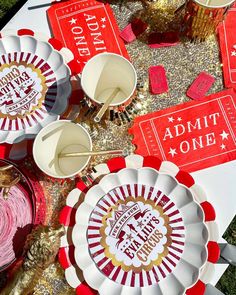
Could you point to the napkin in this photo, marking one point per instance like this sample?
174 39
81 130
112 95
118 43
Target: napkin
227 40
87 28
193 135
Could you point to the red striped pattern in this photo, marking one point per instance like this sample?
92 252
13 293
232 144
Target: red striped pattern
84 289
107 269
114 277
56 44
199 287
67 216
3 58
33 118
99 252
173 213
153 162
213 252
149 281
93 227
163 201
169 206
155 274
157 196
116 164
93 236
98 213
132 279
185 178
66 256
209 211
111 198
124 278
39 64
176 249
95 220
175 220
81 186
27 57
23 32
161 271
174 255
141 279
102 261
170 261
114 196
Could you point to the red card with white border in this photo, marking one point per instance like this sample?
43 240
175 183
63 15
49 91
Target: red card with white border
194 135
86 27
227 40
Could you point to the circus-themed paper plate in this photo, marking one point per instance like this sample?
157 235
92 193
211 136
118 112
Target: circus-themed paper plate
145 229
34 83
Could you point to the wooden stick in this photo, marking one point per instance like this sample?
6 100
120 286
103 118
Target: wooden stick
91 153
105 106
47 135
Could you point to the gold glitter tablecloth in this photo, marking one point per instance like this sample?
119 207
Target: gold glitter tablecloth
182 63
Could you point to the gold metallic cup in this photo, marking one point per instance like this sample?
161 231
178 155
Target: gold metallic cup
203 16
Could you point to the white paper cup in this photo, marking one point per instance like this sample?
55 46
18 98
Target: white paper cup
106 72
61 136
214 3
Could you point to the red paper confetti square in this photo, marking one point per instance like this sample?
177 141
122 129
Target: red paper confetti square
86 27
138 26
200 86
127 34
194 135
158 80
157 40
133 30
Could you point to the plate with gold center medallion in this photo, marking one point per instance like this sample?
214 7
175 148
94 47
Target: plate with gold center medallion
34 84
140 231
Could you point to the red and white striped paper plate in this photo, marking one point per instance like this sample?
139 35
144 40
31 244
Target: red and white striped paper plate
34 83
175 213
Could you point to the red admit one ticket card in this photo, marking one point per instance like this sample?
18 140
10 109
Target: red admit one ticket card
194 135
86 27
227 40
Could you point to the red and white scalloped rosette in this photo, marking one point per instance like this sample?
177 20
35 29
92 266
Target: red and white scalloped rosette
145 228
34 83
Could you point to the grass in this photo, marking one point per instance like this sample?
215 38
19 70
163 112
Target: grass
5 5
227 283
